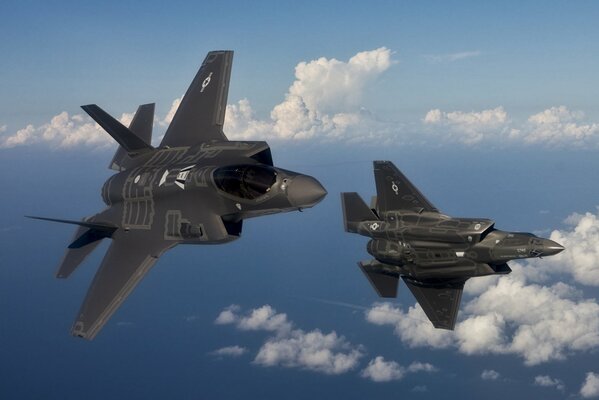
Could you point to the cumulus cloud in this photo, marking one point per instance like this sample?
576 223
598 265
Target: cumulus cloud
327 353
63 131
558 125
229 351
555 126
228 315
469 127
264 318
551 326
413 327
490 375
590 387
323 102
451 57
581 258
379 370
314 350
547 381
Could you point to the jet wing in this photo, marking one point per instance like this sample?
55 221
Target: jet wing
383 281
396 192
129 258
201 114
439 300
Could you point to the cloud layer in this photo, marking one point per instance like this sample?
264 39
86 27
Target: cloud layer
324 102
552 127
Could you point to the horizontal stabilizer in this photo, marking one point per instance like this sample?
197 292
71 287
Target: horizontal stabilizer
141 125
132 143
86 239
384 282
355 211
396 192
74 256
87 224
91 235
440 300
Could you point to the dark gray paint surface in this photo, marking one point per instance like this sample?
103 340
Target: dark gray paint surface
434 254
196 188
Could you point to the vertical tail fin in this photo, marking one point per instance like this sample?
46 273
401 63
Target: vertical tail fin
201 114
396 192
355 211
141 125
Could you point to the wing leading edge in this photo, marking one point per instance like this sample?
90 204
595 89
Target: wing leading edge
201 114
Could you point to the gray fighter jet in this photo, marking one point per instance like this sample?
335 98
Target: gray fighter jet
197 187
434 254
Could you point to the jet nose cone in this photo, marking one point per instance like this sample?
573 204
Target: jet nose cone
305 191
551 248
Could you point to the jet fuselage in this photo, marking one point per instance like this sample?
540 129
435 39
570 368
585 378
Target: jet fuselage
230 179
431 245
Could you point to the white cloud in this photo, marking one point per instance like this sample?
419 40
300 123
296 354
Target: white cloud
322 102
230 351
490 375
417 366
547 381
451 57
581 257
590 387
63 131
558 125
328 353
552 326
330 85
228 315
264 318
555 126
412 327
469 127
379 370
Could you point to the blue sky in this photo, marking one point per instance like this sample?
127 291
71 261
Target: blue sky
489 108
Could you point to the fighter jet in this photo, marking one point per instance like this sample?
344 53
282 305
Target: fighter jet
197 187
433 253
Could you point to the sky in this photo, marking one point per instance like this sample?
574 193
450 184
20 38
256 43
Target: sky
489 108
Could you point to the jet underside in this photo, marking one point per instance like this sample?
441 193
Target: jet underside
433 253
196 187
